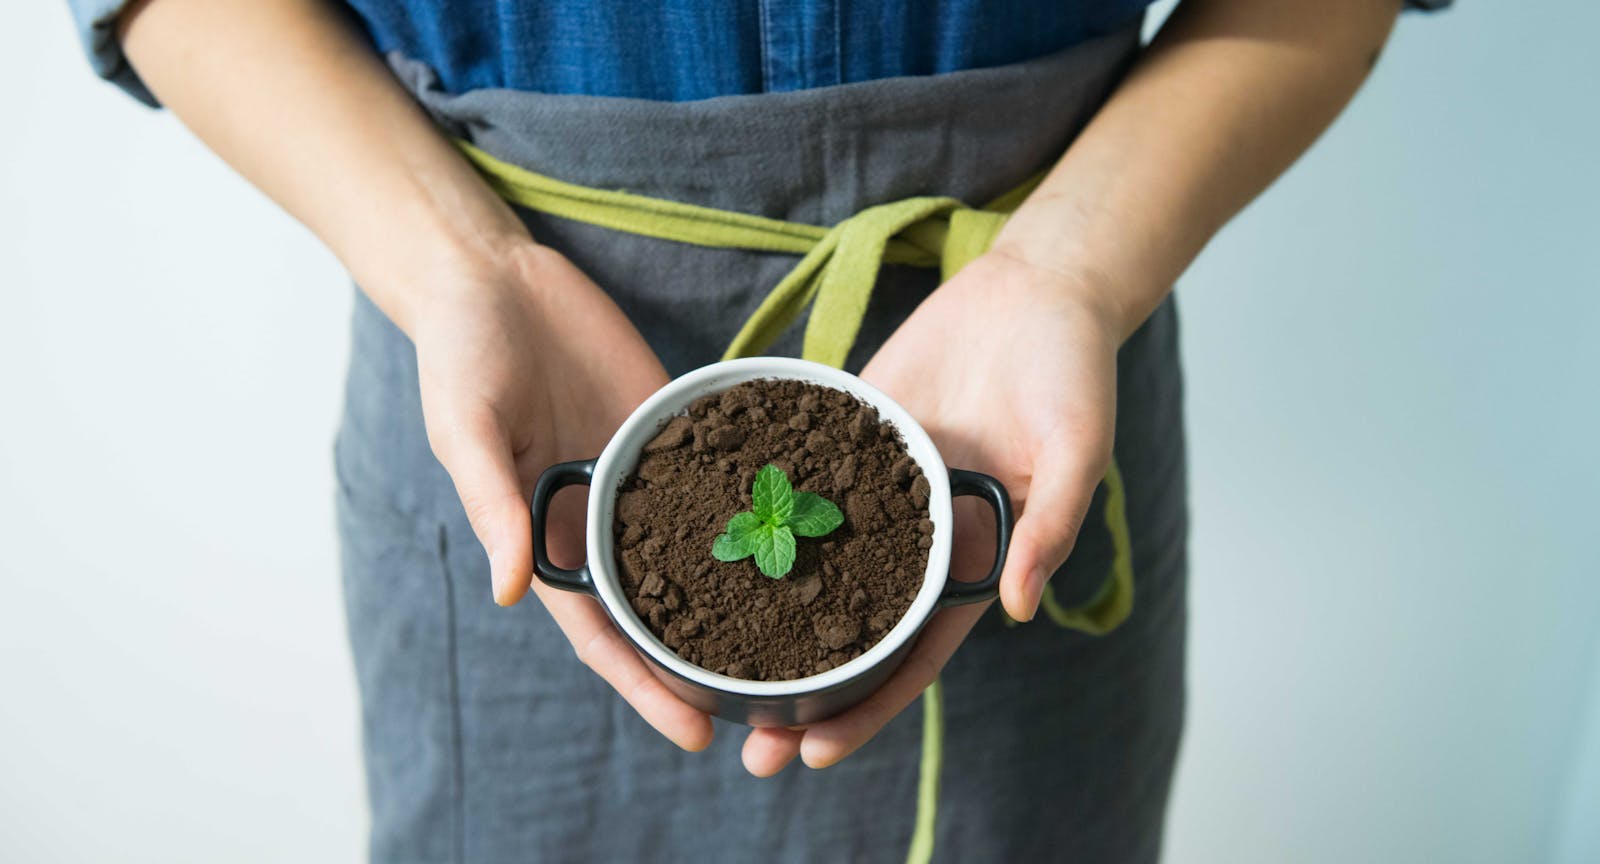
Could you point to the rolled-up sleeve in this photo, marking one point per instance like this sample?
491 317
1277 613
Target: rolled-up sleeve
97 28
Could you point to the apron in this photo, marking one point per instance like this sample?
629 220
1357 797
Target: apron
486 740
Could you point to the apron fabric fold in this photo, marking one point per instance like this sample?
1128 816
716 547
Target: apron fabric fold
487 741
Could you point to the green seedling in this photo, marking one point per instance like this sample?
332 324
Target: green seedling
768 529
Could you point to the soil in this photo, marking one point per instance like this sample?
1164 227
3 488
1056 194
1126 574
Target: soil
846 589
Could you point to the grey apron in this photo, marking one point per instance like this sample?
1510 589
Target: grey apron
487 741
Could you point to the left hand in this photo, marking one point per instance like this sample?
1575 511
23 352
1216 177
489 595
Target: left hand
1012 369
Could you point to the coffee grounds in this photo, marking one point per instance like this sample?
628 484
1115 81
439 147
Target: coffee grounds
846 589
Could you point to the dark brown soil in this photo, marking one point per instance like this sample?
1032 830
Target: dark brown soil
846 589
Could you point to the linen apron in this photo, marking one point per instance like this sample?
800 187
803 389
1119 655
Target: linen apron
486 740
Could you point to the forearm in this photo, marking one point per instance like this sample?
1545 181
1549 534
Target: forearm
1229 94
299 104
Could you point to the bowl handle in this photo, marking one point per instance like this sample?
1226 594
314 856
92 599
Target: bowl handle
993 492
554 479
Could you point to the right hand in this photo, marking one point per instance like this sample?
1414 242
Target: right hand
522 366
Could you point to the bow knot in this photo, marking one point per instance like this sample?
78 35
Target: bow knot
836 277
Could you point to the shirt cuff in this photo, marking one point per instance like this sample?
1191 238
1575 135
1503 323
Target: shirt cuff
97 30
1428 5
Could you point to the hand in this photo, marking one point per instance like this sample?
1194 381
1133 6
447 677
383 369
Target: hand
1012 371
520 367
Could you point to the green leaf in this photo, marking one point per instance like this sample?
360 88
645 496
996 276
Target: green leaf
775 551
768 529
814 515
772 496
738 540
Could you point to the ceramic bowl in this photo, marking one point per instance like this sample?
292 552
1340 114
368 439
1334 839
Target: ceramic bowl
764 703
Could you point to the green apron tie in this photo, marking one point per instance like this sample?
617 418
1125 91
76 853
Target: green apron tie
839 267
838 274
835 277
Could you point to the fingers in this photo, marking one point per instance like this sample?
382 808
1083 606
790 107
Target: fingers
826 743
479 459
478 456
604 650
767 751
1065 474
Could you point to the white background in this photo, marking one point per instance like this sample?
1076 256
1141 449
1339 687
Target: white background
1392 363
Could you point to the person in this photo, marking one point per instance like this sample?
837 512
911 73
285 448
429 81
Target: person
492 340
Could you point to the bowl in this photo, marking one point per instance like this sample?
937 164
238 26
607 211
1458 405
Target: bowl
765 703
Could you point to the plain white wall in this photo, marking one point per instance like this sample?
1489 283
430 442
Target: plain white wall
1393 403
177 684
1393 361
1579 839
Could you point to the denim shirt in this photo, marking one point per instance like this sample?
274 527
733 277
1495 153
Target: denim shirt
690 49
694 49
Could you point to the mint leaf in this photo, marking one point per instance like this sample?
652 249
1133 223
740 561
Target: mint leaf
774 551
814 515
772 496
738 540
767 531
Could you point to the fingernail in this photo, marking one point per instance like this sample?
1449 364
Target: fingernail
1033 589
499 580
815 758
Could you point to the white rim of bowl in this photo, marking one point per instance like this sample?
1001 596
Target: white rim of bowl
621 455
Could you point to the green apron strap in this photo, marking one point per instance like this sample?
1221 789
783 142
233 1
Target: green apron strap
847 281
784 303
1112 604
663 219
836 278
972 232
639 214
928 772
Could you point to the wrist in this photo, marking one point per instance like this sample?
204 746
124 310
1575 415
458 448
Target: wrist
1090 289
443 265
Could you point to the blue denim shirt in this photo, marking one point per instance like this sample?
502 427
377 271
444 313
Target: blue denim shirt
690 49
695 49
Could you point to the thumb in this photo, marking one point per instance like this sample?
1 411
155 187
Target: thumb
1065 475
477 454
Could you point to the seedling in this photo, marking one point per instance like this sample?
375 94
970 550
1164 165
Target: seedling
768 529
